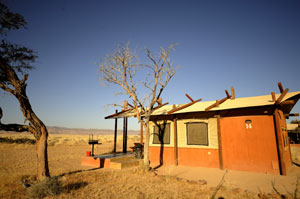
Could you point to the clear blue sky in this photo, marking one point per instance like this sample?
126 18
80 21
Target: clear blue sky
250 45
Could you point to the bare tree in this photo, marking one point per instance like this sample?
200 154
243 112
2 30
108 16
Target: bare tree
15 60
121 68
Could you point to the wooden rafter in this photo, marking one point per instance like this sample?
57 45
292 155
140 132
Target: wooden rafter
217 103
183 106
281 96
291 115
273 96
157 107
280 87
288 102
227 94
189 97
116 114
129 105
232 93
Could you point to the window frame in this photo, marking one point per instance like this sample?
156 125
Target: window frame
187 137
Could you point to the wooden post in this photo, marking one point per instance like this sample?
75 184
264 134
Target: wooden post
220 143
175 143
141 133
125 135
279 143
232 93
115 135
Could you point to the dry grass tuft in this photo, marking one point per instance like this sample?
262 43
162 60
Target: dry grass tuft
47 187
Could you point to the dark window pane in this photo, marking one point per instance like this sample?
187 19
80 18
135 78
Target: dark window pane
197 133
161 134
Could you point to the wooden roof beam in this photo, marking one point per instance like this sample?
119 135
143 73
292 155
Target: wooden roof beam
273 96
189 97
282 96
117 113
288 102
157 107
217 103
183 106
291 114
232 93
161 105
280 87
227 94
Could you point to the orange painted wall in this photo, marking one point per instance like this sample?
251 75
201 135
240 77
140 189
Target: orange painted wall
167 155
186 156
198 157
249 149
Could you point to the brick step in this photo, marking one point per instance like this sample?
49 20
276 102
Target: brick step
121 164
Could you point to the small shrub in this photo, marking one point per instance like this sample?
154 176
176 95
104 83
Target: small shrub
47 187
10 140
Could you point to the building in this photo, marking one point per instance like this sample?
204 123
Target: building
244 134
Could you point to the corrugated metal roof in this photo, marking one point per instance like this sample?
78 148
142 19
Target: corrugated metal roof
244 102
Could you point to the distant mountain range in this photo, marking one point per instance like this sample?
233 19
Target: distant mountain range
79 131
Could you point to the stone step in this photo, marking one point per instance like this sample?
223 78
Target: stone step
121 164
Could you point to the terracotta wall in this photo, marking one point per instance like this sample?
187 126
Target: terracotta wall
186 156
249 147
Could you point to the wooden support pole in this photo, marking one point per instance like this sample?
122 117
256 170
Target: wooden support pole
232 93
220 143
183 106
282 96
115 135
175 143
273 96
125 135
215 104
227 94
141 132
280 87
279 143
189 97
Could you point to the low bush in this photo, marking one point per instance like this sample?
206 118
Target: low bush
47 187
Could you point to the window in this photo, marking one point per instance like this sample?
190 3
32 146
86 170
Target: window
161 134
197 133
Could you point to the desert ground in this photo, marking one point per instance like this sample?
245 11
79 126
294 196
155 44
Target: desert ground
18 166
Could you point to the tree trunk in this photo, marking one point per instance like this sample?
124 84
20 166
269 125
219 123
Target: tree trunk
42 155
146 146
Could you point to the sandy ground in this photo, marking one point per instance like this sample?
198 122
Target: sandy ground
254 182
17 161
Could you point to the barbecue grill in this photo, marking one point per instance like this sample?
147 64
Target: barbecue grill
92 142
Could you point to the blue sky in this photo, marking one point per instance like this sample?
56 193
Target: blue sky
250 45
